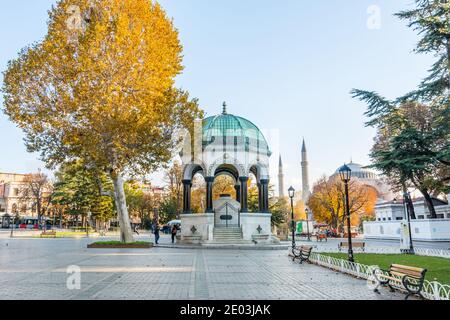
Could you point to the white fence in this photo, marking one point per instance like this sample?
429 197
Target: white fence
389 250
432 290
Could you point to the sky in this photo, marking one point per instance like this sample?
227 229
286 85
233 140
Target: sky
286 65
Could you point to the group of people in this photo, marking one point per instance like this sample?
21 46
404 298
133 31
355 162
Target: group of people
173 232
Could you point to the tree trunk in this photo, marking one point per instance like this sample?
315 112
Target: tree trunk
429 203
126 235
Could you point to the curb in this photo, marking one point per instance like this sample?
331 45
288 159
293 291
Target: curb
222 247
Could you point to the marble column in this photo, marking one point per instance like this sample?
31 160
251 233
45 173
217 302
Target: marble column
260 197
209 194
244 194
265 195
238 192
187 185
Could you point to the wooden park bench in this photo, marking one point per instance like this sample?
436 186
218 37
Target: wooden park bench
302 253
409 279
355 245
321 236
48 234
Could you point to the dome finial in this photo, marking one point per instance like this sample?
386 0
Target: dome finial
224 108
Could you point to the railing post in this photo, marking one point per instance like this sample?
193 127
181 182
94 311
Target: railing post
436 290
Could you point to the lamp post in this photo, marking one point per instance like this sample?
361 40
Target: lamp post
12 226
291 191
406 200
346 173
307 223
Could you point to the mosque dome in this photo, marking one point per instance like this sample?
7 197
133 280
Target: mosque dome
360 172
231 129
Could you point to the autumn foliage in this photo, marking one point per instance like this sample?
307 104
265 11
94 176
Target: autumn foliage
100 87
328 202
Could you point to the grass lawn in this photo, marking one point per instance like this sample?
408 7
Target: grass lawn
438 268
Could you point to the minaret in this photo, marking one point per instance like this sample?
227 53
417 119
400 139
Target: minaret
280 180
305 176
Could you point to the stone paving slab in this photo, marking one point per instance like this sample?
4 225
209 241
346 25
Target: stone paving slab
37 269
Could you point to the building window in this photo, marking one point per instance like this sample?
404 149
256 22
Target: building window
15 192
420 217
14 208
23 209
384 219
440 216
399 218
389 219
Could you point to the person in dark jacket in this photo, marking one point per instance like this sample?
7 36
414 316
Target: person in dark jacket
174 232
156 232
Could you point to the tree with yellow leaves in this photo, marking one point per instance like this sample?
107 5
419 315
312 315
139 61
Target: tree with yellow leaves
327 201
100 87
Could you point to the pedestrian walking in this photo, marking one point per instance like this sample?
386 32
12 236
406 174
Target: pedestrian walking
136 227
156 232
174 232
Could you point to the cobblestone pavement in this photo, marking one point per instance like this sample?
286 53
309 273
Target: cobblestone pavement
37 269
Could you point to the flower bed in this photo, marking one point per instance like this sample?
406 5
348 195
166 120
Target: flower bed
120 245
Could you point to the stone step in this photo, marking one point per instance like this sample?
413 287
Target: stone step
222 243
228 236
228 233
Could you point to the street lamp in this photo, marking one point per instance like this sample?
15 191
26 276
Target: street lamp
406 200
346 173
291 191
307 223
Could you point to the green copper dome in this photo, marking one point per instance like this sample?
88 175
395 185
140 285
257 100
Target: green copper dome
229 126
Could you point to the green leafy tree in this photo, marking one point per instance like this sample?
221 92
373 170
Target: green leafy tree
77 191
412 144
168 210
174 180
140 203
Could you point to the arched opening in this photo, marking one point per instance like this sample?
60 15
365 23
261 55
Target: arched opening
198 193
260 186
190 171
226 181
224 184
253 193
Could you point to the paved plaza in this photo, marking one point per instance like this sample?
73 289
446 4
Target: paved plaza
37 269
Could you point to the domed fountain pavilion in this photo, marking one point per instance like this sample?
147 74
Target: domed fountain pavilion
233 146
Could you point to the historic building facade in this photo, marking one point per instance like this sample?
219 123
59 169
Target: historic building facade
390 215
